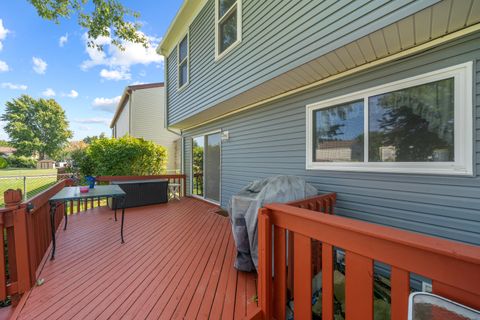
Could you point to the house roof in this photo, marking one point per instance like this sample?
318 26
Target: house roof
180 24
335 144
126 94
7 149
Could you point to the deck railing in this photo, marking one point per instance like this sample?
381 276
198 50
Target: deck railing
26 238
453 267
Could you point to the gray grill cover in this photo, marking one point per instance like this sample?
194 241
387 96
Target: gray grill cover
243 211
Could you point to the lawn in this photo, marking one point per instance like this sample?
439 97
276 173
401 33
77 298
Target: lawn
35 181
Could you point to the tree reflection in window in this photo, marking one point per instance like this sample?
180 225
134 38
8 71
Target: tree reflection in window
339 133
413 125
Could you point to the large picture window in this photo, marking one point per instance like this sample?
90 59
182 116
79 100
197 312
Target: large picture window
183 62
417 125
228 25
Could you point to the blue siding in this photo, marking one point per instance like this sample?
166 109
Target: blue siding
277 36
270 140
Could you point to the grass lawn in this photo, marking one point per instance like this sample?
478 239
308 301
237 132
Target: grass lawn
13 179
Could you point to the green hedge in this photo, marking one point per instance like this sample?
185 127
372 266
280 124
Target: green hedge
118 157
3 163
21 162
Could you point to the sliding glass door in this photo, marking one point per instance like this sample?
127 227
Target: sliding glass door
206 166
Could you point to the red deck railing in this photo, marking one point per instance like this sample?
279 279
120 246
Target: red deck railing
453 267
26 239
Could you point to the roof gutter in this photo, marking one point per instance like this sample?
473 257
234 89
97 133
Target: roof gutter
121 105
184 17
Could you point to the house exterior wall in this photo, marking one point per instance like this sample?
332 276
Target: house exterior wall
122 126
271 140
277 36
148 114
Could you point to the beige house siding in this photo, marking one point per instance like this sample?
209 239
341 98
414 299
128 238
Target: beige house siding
122 124
147 121
143 117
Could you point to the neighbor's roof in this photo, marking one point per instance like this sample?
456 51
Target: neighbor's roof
126 93
179 26
7 149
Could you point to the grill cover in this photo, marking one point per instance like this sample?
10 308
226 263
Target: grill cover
243 211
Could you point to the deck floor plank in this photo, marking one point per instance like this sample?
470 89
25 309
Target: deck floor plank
177 262
102 272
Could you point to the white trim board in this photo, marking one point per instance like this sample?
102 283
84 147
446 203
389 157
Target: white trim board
463 127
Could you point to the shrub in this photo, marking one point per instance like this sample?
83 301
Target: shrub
21 162
3 163
82 161
122 157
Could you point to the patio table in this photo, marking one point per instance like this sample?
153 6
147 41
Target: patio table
73 193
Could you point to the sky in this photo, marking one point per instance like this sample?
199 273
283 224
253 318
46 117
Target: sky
46 60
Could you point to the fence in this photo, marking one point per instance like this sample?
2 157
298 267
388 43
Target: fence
454 268
30 185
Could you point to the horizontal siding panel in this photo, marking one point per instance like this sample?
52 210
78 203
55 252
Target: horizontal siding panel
270 140
290 32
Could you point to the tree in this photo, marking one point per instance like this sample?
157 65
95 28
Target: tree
107 19
36 126
90 139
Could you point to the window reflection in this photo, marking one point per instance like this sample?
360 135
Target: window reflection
413 124
339 133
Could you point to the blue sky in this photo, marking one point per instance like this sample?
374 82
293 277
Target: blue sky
42 59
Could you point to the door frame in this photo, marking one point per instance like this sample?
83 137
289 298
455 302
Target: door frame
203 179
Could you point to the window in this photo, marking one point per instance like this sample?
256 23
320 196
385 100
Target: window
417 125
183 62
228 25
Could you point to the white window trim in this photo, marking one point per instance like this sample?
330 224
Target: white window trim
219 55
181 87
191 168
463 127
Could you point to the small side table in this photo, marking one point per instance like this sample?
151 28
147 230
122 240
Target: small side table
174 191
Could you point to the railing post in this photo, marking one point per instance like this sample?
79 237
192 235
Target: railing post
25 193
13 199
265 263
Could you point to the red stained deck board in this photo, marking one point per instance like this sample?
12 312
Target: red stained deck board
177 263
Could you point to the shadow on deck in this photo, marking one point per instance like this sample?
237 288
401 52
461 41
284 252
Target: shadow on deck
177 263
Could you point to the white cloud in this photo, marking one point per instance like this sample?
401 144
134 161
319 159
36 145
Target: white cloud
63 40
83 127
3 66
12 86
106 104
49 92
120 74
120 60
3 33
73 94
39 65
95 120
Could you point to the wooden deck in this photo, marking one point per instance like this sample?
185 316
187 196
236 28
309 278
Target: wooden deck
177 263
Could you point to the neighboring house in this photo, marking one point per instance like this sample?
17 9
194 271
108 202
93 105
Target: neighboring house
7 151
141 113
254 86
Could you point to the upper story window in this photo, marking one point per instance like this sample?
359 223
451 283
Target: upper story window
228 25
183 62
417 125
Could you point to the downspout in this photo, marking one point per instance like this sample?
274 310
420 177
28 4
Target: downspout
129 94
165 118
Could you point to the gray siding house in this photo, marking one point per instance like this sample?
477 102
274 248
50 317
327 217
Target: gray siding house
378 101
